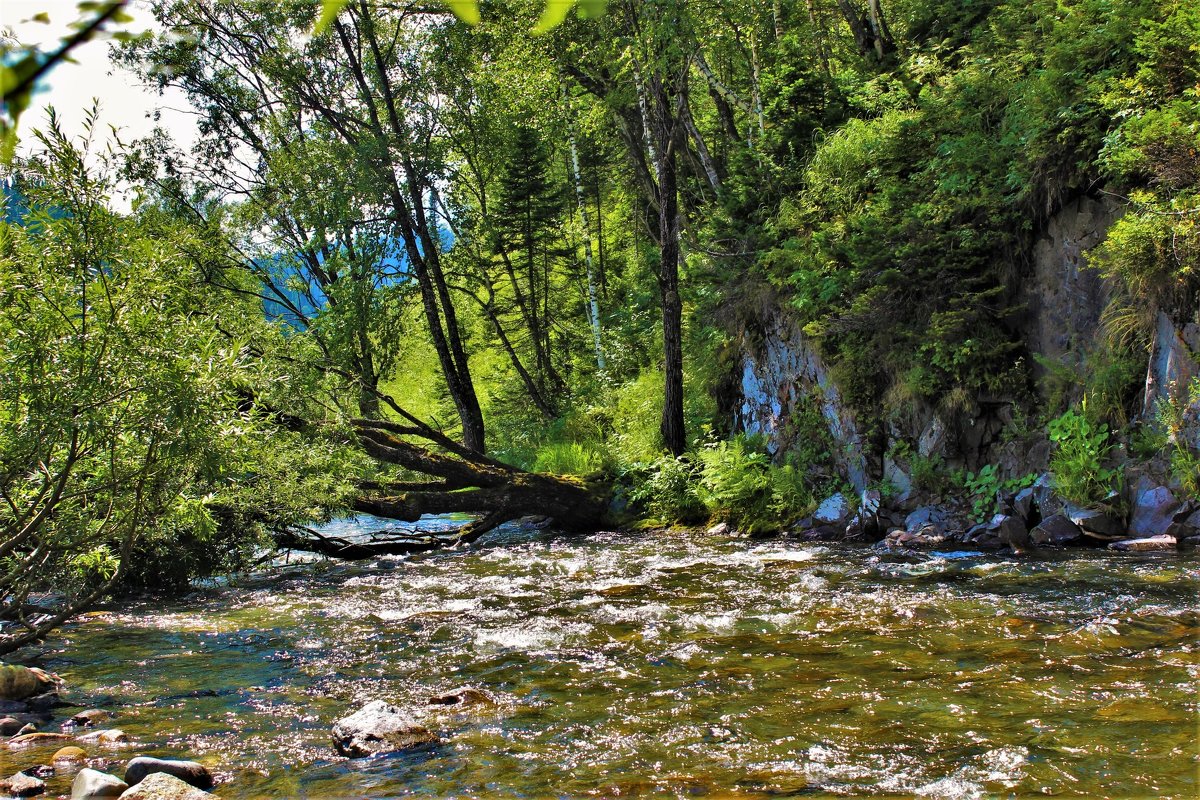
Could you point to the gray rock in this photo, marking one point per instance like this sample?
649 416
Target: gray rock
25 729
927 516
91 784
161 786
9 726
1010 530
835 511
872 499
720 529
1144 545
45 702
1044 497
466 697
1097 524
379 728
1023 505
22 785
12 706
1055 530
1188 542
191 772
1153 512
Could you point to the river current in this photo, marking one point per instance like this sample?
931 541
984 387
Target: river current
670 665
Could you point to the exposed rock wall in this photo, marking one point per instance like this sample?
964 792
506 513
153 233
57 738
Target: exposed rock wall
781 372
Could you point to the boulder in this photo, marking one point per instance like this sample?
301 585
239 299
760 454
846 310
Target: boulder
10 725
69 753
104 736
934 517
161 786
91 784
13 706
834 511
35 739
1023 507
1010 530
46 701
1144 545
720 529
18 682
379 728
191 772
22 785
1153 512
926 537
1056 529
1097 524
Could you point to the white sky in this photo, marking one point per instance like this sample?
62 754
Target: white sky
124 102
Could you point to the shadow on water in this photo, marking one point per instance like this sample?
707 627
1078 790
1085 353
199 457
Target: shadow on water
671 665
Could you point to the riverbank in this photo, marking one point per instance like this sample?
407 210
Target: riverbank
675 663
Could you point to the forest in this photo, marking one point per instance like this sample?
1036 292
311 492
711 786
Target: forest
912 272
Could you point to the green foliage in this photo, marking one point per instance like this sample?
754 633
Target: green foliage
666 490
984 488
569 458
1077 462
739 483
1179 422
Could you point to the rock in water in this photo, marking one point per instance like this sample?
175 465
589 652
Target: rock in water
161 786
71 753
22 785
35 739
379 728
464 697
17 682
91 784
88 718
105 736
190 772
1146 545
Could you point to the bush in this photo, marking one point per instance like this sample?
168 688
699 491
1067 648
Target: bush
741 485
1077 461
666 489
569 458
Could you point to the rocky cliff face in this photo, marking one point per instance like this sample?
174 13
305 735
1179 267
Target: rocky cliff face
1063 301
779 373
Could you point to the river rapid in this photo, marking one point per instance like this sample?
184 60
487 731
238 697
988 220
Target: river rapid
672 664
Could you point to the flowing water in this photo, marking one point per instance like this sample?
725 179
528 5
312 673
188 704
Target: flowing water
671 665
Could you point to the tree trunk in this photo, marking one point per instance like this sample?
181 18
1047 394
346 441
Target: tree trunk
460 480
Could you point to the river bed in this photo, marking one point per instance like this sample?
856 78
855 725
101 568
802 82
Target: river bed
670 665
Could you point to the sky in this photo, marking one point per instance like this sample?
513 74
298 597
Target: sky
70 88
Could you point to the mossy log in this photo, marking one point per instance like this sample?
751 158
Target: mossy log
460 481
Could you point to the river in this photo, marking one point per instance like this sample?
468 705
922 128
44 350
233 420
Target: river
671 665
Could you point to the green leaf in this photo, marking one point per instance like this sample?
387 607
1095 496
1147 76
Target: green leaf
41 17
329 11
553 15
466 10
591 9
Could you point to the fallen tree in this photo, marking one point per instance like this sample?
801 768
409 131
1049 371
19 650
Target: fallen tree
453 479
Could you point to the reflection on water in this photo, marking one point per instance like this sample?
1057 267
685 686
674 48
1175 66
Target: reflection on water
673 665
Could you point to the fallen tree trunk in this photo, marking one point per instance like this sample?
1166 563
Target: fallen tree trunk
460 481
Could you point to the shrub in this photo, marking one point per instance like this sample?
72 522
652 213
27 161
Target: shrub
1077 461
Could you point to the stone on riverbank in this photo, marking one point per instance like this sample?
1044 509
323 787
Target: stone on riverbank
92 784
70 753
161 786
191 772
1144 545
1056 529
22 785
379 728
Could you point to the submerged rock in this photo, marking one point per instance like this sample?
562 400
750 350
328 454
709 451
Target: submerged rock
88 718
35 739
379 728
465 697
92 784
105 736
1144 545
70 753
162 786
191 772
